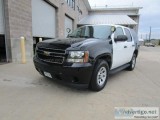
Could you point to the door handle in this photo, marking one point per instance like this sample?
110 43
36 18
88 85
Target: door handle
133 45
125 46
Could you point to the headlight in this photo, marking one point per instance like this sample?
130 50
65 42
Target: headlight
78 56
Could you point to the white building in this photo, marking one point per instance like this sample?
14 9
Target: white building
128 16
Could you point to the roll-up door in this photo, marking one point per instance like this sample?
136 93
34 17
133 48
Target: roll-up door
68 24
43 19
1 18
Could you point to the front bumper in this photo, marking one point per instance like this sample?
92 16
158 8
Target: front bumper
78 75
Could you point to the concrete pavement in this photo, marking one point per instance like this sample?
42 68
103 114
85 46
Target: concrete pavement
26 95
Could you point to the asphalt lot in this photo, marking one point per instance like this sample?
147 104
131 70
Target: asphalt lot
26 95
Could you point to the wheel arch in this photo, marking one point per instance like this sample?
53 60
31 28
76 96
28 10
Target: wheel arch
136 52
107 57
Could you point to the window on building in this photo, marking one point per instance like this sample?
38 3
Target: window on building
128 35
71 3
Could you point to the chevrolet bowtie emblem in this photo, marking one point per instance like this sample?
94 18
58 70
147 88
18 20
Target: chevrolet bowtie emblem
46 53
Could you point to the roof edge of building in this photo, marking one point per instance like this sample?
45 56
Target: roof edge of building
115 8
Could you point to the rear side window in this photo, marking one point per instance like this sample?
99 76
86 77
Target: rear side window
118 31
128 34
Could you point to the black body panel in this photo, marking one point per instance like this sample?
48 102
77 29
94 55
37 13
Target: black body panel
72 73
96 47
51 56
76 74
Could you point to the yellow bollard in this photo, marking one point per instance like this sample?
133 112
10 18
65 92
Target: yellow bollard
23 51
40 40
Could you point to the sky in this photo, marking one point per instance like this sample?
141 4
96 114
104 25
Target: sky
149 14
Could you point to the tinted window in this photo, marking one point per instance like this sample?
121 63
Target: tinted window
128 35
101 31
118 31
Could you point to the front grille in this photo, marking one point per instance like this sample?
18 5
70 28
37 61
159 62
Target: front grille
50 55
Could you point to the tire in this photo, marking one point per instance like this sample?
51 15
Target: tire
99 76
132 63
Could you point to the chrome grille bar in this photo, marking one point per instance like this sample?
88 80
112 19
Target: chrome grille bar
55 56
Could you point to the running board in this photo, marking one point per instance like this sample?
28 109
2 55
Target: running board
119 69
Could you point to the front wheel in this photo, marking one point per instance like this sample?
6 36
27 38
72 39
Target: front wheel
100 76
132 63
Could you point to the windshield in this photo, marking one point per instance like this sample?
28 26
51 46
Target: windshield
99 32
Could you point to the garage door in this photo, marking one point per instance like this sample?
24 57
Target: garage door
43 19
68 24
1 18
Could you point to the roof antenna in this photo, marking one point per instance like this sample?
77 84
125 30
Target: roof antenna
132 4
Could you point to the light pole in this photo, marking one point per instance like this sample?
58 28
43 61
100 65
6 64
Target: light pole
146 36
150 33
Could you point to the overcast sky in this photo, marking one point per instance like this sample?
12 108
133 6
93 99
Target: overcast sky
150 14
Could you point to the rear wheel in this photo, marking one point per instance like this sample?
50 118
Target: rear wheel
100 76
132 63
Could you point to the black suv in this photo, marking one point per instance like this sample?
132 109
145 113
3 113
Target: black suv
88 55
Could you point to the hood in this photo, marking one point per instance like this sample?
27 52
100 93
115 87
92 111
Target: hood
65 43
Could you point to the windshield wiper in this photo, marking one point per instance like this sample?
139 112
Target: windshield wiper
72 36
84 36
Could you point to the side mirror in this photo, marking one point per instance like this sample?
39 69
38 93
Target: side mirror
121 38
113 29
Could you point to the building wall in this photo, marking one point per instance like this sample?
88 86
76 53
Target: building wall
136 19
18 22
132 13
18 19
64 9
82 8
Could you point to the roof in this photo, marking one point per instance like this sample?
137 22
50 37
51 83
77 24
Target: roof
107 19
114 8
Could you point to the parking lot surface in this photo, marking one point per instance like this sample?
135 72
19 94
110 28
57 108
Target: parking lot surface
26 95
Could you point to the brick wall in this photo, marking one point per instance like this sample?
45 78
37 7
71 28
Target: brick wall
18 20
83 8
64 9
18 23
